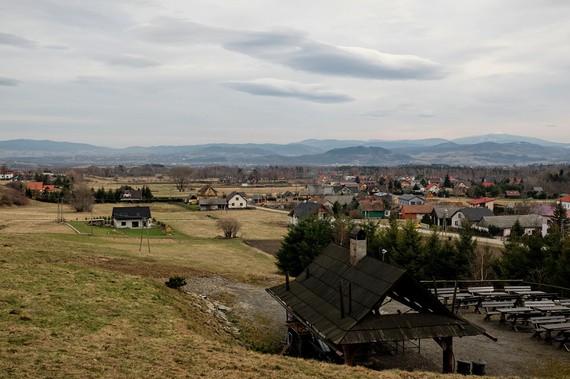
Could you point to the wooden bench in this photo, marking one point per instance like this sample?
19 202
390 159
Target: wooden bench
517 288
490 307
475 290
537 322
539 303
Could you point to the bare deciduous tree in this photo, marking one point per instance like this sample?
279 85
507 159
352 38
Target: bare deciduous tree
82 198
229 226
181 177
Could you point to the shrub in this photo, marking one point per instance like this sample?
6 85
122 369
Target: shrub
175 282
229 226
10 196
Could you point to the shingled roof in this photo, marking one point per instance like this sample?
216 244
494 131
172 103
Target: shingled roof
314 299
131 213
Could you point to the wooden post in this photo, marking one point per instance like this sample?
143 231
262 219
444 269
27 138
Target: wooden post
348 352
447 346
287 280
454 298
341 300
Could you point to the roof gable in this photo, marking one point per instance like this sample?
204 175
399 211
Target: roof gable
314 297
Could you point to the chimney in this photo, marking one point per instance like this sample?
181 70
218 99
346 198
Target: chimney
357 245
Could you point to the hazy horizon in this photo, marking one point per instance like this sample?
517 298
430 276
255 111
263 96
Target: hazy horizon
142 73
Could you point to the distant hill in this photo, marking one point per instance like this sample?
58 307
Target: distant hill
494 149
506 138
355 155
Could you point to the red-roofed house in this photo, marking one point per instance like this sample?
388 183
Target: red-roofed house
40 187
487 184
565 201
415 212
484 202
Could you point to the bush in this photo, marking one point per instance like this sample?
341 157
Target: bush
229 226
10 196
175 282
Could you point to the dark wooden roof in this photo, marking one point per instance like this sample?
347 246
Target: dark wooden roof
131 213
314 299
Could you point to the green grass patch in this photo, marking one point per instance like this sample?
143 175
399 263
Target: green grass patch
107 231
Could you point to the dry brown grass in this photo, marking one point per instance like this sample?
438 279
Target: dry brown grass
74 308
167 188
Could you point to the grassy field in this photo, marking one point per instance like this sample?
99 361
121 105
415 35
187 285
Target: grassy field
75 309
91 306
166 187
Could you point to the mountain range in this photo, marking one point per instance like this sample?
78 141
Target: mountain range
484 150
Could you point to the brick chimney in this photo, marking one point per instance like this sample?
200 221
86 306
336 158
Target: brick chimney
357 245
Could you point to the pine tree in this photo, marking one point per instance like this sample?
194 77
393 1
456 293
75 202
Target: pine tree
302 244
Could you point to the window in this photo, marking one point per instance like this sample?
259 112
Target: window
135 224
241 204
233 204
123 223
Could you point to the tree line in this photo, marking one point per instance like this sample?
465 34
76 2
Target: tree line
528 257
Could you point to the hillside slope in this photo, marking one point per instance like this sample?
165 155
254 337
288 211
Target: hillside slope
74 309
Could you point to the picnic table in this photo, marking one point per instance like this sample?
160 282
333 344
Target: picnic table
516 313
550 328
560 309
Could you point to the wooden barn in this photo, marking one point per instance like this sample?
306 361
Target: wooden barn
337 305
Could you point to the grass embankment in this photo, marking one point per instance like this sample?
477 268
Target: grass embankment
73 307
156 231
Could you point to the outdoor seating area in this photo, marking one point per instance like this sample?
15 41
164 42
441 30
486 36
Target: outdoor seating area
521 307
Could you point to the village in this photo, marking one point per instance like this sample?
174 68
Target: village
223 243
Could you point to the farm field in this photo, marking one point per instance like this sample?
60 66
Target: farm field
167 188
80 305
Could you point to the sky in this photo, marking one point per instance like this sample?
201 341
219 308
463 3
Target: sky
178 72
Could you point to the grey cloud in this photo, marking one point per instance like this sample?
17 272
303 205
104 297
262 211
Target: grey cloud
295 50
8 82
132 61
285 88
16 41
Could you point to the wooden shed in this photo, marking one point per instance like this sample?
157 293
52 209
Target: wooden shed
338 300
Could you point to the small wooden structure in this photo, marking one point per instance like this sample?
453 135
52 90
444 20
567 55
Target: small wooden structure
338 302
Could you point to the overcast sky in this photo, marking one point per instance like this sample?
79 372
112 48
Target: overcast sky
148 72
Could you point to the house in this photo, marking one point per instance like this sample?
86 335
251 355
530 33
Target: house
131 195
485 202
532 224
337 306
512 194
544 210
308 209
40 187
212 203
236 200
342 200
319 190
470 215
565 201
131 217
409 199
6 175
257 198
441 214
433 188
372 208
415 212
487 184
207 191
537 189
192 198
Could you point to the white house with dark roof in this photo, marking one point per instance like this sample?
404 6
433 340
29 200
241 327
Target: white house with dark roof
410 199
236 200
308 209
131 217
